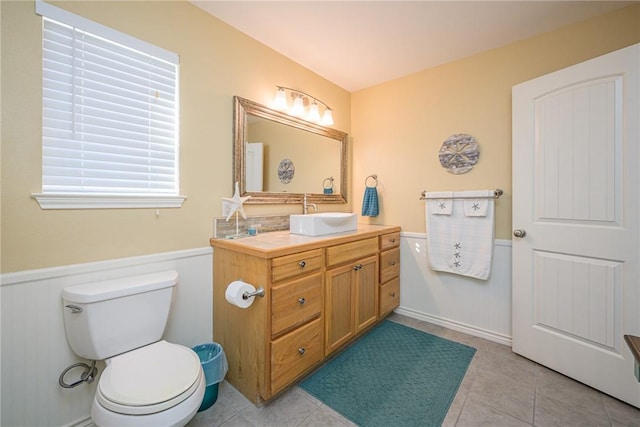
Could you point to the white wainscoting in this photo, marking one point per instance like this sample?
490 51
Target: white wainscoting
477 307
34 347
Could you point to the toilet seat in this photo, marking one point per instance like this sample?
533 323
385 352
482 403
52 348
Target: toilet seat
149 379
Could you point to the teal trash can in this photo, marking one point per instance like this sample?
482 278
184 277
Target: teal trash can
214 365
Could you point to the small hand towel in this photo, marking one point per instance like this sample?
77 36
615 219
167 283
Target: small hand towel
440 206
370 202
461 244
477 207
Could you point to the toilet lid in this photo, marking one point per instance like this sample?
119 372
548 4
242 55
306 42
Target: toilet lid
150 375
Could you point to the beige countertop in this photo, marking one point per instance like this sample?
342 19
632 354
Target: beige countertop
278 243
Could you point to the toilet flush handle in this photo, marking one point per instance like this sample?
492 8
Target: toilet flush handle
74 308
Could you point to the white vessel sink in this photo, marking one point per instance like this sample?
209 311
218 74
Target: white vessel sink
319 224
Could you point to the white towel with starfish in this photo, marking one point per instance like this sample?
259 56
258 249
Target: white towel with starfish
440 202
479 206
458 243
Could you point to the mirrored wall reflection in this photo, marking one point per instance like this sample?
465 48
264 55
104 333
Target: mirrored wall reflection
279 158
282 158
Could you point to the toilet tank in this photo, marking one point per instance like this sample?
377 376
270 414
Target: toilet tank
107 318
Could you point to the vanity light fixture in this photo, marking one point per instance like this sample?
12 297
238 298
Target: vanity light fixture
298 107
301 101
314 113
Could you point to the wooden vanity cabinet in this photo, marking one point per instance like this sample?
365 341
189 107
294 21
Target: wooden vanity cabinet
296 309
351 291
280 336
319 295
389 293
245 334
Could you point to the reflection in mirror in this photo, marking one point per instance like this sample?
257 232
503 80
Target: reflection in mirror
279 158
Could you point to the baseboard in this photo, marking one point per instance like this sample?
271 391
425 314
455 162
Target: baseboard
84 422
456 326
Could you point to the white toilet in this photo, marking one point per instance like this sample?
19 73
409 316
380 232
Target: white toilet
147 381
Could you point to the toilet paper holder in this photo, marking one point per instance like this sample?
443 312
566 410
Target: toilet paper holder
257 293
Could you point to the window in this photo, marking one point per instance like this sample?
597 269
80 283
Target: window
109 117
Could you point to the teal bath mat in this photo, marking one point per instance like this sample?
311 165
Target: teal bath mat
393 376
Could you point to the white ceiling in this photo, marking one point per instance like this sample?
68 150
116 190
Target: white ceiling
358 44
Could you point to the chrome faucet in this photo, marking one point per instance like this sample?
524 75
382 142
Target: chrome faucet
305 205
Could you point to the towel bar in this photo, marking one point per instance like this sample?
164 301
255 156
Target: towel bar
496 194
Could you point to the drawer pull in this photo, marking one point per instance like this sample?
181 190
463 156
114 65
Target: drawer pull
392 263
301 301
301 350
393 294
392 240
357 267
302 264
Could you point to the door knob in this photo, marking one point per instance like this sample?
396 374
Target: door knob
519 233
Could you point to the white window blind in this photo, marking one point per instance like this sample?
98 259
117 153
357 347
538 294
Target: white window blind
109 116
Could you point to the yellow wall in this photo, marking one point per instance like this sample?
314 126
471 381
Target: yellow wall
314 157
216 63
399 126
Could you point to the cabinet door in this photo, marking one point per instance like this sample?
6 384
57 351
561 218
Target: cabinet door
366 286
340 307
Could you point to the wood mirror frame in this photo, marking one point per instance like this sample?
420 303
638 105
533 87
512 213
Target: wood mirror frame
244 107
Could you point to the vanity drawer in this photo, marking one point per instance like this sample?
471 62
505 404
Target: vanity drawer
294 353
389 264
296 302
293 265
389 296
389 240
340 254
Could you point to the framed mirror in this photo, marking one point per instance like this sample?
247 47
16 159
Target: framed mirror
279 158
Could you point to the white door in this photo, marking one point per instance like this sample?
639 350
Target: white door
576 276
254 161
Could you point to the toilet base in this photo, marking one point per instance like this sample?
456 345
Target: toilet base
178 416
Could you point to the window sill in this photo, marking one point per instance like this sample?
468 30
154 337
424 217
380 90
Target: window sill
99 201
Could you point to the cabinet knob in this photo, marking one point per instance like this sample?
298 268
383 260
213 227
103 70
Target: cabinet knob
392 240
302 264
392 263
301 350
301 301
393 294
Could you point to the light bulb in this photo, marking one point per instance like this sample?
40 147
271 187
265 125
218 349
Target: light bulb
280 101
327 118
298 107
314 114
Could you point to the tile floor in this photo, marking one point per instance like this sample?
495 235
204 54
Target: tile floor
499 389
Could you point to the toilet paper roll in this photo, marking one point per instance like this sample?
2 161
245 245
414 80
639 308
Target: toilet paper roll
234 293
